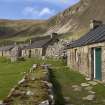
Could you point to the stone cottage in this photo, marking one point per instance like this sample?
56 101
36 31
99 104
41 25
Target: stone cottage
12 50
15 53
6 50
87 54
38 48
56 50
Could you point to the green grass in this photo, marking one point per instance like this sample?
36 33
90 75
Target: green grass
37 87
63 78
11 73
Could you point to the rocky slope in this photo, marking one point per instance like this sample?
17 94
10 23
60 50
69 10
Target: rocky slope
78 16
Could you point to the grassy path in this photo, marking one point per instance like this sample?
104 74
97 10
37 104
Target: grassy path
64 79
11 73
30 92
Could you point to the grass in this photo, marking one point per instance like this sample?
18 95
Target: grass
37 87
63 78
11 73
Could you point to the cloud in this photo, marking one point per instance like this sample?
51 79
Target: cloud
46 11
33 9
38 12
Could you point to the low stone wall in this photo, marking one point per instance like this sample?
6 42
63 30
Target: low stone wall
34 89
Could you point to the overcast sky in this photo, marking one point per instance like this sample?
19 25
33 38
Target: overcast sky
32 9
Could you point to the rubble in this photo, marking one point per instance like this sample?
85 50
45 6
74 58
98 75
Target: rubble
26 90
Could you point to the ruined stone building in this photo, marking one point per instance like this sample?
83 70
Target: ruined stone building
46 46
11 50
16 53
56 50
6 50
41 47
87 54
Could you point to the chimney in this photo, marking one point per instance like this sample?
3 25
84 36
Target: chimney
15 43
53 35
95 23
30 42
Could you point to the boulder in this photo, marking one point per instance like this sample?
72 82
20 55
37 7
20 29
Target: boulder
89 97
1 102
21 81
93 83
29 93
67 99
84 84
77 88
88 88
46 102
92 92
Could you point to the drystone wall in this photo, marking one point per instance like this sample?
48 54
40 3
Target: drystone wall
34 89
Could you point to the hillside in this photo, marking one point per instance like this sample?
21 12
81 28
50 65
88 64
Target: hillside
73 20
77 18
11 28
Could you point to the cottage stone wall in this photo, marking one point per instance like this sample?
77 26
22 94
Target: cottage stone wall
103 64
1 53
25 52
55 50
6 53
36 52
80 59
15 53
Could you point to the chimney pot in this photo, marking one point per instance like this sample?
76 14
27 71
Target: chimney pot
95 23
53 35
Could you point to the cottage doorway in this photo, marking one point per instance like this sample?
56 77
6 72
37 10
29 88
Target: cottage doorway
92 63
96 63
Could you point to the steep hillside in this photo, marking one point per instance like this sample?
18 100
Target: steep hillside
76 19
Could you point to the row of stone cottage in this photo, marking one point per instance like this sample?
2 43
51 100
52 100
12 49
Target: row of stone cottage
49 46
87 54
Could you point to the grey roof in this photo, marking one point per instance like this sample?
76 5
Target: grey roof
39 43
9 47
94 36
6 48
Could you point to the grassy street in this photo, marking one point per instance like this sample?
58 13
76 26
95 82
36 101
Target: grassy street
64 79
31 91
11 73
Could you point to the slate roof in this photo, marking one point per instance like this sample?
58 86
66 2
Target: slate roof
40 43
6 48
94 36
9 47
